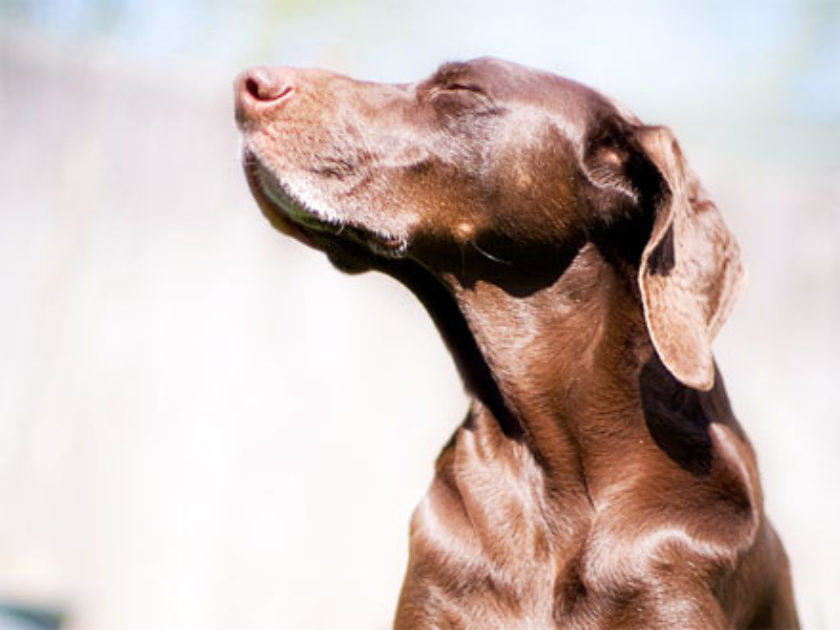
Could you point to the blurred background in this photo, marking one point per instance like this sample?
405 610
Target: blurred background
204 425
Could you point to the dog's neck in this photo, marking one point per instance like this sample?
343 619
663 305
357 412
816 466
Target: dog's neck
566 358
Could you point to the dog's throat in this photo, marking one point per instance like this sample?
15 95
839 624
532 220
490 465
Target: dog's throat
471 363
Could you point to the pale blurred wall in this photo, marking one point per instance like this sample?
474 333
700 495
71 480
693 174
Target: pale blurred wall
203 425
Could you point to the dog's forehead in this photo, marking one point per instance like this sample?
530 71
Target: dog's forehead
502 74
508 81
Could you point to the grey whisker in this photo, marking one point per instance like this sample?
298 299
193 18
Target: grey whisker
489 255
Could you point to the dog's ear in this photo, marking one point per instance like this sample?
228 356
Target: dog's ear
690 270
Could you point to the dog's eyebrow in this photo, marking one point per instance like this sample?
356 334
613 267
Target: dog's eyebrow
450 71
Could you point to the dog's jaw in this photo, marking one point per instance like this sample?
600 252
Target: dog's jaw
297 209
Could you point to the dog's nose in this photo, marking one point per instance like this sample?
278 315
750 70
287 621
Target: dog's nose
260 88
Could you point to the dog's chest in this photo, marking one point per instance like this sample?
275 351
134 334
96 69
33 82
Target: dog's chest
489 541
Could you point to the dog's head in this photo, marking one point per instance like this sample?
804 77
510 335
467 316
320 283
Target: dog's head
487 170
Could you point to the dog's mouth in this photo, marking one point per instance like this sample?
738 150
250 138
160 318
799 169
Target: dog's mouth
350 246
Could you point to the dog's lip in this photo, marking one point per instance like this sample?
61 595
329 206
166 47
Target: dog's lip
277 198
292 216
278 219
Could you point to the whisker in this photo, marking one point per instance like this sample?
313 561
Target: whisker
489 255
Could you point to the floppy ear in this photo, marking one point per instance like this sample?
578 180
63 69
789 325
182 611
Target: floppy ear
690 270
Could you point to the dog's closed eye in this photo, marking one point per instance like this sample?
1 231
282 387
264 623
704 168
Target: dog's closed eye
460 98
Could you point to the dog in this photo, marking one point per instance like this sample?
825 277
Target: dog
578 273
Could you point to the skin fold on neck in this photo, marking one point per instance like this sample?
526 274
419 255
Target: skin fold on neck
566 360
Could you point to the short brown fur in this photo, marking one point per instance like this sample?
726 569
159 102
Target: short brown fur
578 273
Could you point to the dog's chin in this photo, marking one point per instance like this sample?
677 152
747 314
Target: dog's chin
350 249
350 262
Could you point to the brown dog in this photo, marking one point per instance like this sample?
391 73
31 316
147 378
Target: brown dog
578 273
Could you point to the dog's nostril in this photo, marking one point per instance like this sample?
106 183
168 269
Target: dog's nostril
253 88
263 85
